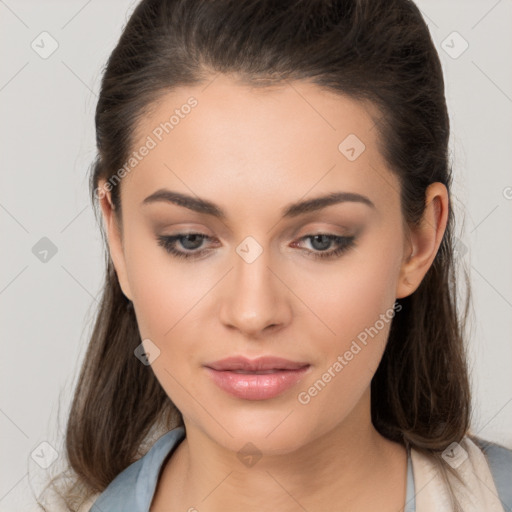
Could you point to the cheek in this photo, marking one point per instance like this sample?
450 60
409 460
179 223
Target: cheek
165 290
356 302
350 297
348 360
165 298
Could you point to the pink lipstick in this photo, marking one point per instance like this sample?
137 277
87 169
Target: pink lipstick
256 379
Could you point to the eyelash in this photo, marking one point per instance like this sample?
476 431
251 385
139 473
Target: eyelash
344 244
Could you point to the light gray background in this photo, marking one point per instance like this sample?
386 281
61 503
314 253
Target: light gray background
47 112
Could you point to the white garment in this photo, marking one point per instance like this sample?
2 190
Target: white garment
477 493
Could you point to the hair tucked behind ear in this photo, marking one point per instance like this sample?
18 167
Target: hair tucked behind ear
375 51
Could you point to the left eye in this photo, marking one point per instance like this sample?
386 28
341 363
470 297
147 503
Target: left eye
343 243
193 241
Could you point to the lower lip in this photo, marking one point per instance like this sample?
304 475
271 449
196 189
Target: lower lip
251 386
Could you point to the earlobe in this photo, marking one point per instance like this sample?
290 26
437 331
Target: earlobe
424 240
115 242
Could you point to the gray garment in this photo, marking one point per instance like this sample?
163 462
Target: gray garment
133 489
500 462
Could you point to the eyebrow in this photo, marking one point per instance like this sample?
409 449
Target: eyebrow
293 210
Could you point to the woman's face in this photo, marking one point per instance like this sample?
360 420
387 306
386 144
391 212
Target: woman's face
257 281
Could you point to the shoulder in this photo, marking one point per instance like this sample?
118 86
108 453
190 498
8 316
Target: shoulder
480 477
134 487
499 459
494 452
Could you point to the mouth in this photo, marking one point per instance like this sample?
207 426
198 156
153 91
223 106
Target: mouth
257 384
260 372
265 364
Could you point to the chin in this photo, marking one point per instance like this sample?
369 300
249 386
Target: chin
273 433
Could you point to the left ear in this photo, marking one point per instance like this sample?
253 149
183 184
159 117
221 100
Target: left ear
424 240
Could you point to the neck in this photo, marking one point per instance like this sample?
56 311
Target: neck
343 463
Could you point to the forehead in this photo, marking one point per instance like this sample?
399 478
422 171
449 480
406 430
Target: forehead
224 138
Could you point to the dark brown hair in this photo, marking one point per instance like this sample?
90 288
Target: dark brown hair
374 51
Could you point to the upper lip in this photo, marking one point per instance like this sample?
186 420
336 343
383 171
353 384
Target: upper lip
253 365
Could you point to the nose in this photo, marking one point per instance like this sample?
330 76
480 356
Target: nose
255 301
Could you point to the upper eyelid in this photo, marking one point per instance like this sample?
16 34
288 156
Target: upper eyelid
290 232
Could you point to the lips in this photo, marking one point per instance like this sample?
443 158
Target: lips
256 379
261 365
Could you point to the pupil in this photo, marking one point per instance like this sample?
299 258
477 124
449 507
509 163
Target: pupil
325 239
195 245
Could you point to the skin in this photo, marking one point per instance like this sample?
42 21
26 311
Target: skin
253 152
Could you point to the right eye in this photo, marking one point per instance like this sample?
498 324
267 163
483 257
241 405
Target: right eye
190 241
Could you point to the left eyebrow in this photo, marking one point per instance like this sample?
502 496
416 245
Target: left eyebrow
292 210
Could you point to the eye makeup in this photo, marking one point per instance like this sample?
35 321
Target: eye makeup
192 245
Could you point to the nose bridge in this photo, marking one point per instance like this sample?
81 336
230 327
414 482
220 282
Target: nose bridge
255 297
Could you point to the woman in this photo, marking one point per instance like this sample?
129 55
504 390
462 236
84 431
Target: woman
279 326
